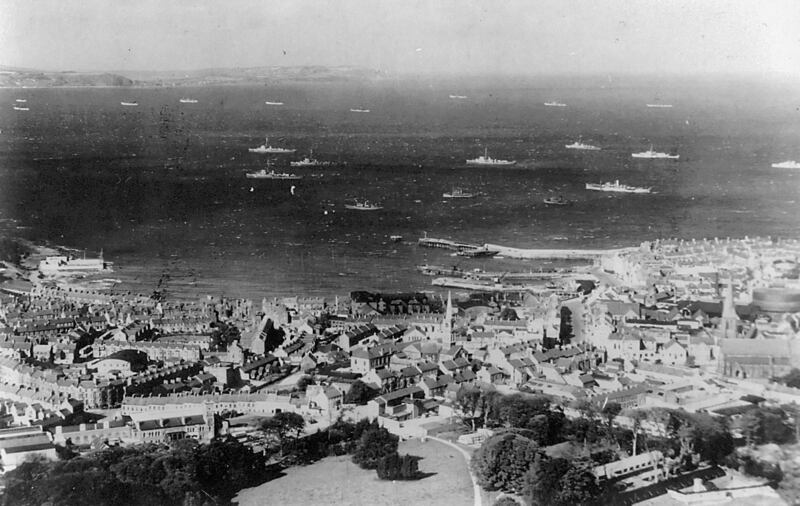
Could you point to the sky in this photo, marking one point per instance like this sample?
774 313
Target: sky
406 36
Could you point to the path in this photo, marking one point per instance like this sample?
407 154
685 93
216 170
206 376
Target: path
476 489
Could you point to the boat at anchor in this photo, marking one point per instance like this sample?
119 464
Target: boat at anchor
485 159
266 148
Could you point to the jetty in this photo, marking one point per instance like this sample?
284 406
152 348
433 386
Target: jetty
431 242
568 254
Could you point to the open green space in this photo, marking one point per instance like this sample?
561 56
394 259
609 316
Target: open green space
336 480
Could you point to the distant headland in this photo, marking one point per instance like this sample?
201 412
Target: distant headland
12 77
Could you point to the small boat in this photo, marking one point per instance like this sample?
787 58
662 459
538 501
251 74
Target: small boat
557 201
359 110
790 164
21 100
458 193
486 160
458 97
655 154
582 146
129 104
266 148
18 108
363 205
396 238
188 101
555 104
273 103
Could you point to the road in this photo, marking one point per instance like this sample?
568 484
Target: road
476 489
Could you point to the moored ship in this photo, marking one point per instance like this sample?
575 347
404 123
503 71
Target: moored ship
18 108
485 159
266 148
790 164
616 187
581 145
363 205
309 161
458 193
655 154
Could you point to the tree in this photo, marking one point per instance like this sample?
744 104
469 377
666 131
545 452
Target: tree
487 404
559 482
792 379
360 393
610 412
750 426
637 417
396 467
467 400
375 443
577 485
303 382
540 483
283 424
502 460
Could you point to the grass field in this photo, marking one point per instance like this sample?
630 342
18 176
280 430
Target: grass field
336 480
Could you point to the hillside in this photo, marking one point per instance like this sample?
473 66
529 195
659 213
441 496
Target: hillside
13 77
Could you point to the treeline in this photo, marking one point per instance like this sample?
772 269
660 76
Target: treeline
514 459
371 447
186 473
514 463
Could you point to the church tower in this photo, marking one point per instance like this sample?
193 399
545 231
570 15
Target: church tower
729 323
447 324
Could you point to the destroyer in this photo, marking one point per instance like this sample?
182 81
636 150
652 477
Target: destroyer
791 164
458 193
266 148
363 205
309 161
616 187
263 174
580 145
486 160
655 154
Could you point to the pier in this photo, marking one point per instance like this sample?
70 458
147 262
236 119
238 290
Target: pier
431 242
568 254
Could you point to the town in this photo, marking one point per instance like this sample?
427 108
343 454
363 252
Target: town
667 376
